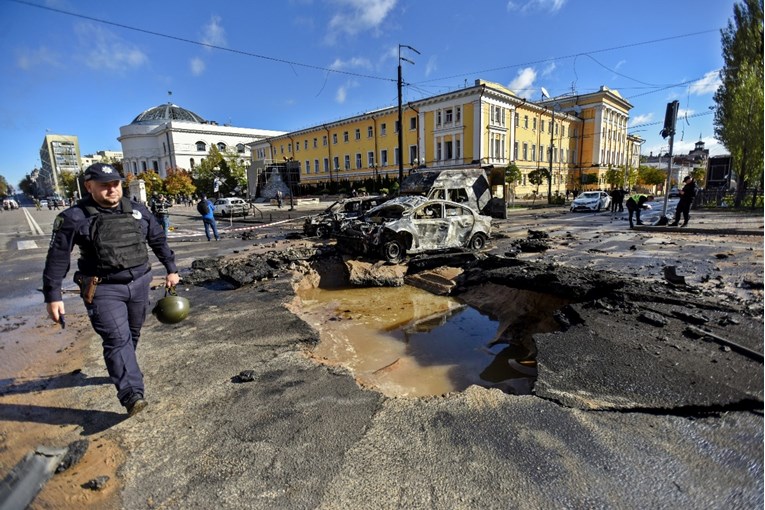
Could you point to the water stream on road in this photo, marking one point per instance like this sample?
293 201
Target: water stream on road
407 342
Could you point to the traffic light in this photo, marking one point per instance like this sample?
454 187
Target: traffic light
670 119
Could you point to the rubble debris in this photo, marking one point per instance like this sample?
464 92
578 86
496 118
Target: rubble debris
96 484
74 453
653 318
380 274
749 353
21 485
752 284
244 376
670 274
693 318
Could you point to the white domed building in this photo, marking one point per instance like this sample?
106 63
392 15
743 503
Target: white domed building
168 136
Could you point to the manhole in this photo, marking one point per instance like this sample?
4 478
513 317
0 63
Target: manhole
407 342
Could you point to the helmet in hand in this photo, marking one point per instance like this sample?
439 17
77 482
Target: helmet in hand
171 309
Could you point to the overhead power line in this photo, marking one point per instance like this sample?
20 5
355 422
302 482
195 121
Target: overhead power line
200 43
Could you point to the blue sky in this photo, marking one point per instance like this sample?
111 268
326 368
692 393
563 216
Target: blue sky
290 64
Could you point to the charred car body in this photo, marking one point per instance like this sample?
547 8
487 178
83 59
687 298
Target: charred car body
412 225
331 220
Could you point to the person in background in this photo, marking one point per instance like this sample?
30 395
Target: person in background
687 194
113 272
207 210
160 206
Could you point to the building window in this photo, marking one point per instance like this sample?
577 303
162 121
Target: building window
525 151
525 122
316 166
396 127
240 148
305 143
449 115
458 114
562 130
541 125
370 132
345 136
324 140
307 166
201 146
449 149
384 156
383 129
358 160
438 149
358 134
315 143
517 119
347 161
336 163
297 147
533 152
413 123
221 146
438 118
370 159
143 166
556 129
458 148
534 124
515 150
334 138
326 165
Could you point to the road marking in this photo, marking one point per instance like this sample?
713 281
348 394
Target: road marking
33 225
26 245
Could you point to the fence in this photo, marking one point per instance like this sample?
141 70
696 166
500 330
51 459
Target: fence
723 198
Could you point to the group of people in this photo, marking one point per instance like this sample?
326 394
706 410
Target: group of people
639 202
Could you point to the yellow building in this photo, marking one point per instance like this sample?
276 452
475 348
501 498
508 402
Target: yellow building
484 124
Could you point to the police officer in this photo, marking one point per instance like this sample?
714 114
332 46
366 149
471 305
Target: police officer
686 199
114 272
635 204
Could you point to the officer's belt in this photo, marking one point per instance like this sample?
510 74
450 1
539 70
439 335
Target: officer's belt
127 276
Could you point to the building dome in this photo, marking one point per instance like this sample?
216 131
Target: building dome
166 112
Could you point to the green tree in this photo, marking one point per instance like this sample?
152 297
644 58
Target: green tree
3 186
178 182
68 183
739 113
152 182
537 177
699 175
614 177
512 177
207 170
28 186
649 176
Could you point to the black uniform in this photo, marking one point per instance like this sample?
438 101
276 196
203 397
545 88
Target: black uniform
112 245
687 195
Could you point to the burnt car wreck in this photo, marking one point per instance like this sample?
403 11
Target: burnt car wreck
333 218
411 225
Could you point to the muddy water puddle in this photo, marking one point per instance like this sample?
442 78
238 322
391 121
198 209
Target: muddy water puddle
408 342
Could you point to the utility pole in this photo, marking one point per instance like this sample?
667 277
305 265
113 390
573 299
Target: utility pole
552 148
670 119
400 115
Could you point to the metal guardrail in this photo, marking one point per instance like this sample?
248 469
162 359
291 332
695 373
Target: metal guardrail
723 198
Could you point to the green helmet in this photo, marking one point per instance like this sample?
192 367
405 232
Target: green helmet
171 309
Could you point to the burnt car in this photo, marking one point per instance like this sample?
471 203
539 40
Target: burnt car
331 220
412 225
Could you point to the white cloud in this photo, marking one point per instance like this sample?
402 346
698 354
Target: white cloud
213 32
550 6
641 119
42 56
681 112
707 85
432 65
523 82
105 50
354 62
197 66
357 16
549 68
342 92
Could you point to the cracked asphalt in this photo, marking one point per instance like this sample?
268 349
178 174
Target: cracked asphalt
626 414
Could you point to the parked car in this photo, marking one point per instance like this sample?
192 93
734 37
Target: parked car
331 220
10 203
231 207
414 224
591 201
673 192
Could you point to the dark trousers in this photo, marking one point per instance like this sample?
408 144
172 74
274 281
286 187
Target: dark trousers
210 224
117 314
684 208
633 209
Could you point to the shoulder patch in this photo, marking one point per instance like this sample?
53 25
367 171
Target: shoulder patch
57 223
137 214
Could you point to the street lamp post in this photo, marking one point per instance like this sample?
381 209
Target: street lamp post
400 115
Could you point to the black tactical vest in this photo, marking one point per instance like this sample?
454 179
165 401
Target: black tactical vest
117 240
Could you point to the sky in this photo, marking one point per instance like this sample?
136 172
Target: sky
87 67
